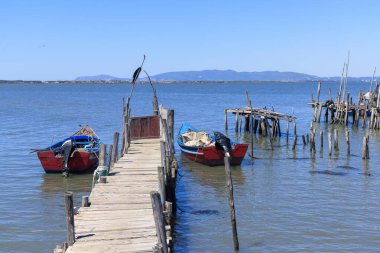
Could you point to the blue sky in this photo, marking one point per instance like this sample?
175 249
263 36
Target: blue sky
50 40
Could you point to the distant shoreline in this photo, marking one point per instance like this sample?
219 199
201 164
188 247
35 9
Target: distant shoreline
163 82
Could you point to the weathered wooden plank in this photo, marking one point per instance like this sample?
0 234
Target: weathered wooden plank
120 217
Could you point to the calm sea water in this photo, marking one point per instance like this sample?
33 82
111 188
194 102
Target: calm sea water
283 203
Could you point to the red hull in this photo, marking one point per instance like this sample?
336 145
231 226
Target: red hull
212 157
80 161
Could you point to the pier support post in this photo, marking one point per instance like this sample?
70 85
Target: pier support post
115 155
85 201
365 150
336 143
348 142
102 154
330 142
159 220
69 208
231 201
161 183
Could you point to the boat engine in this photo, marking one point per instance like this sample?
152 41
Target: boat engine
222 142
67 148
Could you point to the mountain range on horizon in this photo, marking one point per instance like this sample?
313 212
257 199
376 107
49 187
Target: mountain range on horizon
222 76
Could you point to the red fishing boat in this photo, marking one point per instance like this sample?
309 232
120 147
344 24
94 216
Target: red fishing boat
208 149
75 154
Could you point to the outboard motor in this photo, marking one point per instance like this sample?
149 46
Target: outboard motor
222 142
67 148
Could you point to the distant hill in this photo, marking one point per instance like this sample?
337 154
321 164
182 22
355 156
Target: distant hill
100 78
223 76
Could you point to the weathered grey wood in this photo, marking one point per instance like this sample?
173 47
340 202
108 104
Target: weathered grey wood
365 150
85 201
161 183
102 154
69 209
231 201
109 158
115 155
170 124
348 142
329 135
336 142
159 219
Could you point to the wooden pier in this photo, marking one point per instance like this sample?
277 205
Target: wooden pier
120 217
132 202
258 120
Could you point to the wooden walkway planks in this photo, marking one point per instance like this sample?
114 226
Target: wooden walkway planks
120 218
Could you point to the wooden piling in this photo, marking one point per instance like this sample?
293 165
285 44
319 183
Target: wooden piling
329 135
231 201
365 149
336 143
161 183
287 132
102 155
115 155
348 142
159 220
85 201
69 209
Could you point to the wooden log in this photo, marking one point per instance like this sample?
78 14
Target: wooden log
170 123
365 152
329 135
348 142
231 201
85 201
336 143
109 158
319 112
346 113
159 220
161 183
115 155
69 209
168 211
102 154
318 92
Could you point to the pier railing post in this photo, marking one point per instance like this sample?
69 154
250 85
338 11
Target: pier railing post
159 221
115 155
231 201
69 208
